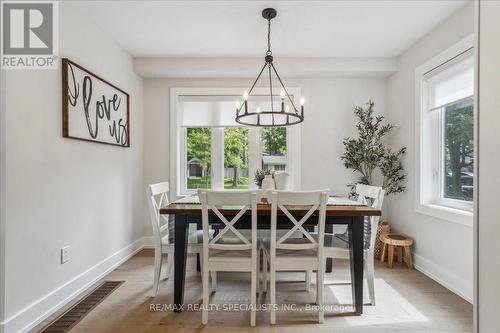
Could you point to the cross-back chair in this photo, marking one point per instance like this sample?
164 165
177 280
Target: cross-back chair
162 231
239 254
337 246
287 252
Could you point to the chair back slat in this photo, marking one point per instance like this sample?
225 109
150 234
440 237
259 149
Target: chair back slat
214 200
299 198
159 188
158 197
228 198
376 194
310 201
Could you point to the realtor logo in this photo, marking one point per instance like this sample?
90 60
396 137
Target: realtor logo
29 38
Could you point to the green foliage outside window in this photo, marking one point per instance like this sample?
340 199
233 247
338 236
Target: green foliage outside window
274 141
199 157
459 150
236 155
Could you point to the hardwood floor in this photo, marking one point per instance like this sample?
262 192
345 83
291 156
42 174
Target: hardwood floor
407 302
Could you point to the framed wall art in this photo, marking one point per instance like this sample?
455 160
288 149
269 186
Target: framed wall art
93 109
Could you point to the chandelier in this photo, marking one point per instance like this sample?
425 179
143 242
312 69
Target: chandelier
275 113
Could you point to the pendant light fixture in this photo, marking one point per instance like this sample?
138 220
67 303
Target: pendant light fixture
269 112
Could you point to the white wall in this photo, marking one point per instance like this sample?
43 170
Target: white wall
488 298
62 191
329 118
443 250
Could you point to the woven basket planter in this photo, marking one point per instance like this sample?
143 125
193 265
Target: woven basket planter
383 227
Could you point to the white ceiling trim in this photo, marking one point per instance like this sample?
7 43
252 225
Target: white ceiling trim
248 67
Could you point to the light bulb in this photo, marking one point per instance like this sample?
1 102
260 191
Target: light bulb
302 101
258 109
287 108
282 94
237 104
245 95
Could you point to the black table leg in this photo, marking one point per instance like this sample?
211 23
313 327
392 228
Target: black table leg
329 261
356 232
180 250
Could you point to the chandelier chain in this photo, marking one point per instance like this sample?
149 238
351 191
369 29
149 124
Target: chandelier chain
269 52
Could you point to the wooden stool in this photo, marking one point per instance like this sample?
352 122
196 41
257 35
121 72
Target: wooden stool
401 243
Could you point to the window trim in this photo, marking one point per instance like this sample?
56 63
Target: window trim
425 178
177 172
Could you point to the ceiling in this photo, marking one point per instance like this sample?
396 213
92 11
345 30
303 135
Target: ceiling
369 28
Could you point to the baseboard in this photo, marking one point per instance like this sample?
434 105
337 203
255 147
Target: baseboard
148 242
444 277
44 307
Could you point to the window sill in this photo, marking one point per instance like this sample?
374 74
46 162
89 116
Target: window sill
449 214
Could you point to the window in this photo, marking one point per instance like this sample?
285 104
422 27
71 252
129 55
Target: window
445 136
236 158
458 150
198 158
203 145
212 151
273 151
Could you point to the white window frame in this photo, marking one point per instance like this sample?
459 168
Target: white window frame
429 161
178 142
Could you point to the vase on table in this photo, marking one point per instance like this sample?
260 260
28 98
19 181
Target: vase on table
268 183
282 181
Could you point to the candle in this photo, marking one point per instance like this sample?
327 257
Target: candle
245 97
282 95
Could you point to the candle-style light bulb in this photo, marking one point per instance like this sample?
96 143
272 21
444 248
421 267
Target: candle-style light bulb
237 105
245 98
258 109
282 96
302 101
287 109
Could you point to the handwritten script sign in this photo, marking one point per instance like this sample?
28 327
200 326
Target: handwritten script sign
93 109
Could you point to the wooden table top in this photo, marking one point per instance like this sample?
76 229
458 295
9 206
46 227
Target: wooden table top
265 209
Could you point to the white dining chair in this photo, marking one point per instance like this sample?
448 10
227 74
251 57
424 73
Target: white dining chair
230 256
337 246
162 229
289 253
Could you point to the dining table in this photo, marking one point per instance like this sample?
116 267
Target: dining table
339 211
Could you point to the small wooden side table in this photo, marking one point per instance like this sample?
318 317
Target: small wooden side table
392 242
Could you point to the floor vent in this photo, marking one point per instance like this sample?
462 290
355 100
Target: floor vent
71 317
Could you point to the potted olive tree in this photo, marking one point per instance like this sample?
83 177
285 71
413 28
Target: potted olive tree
368 154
